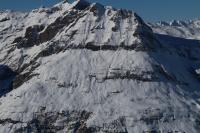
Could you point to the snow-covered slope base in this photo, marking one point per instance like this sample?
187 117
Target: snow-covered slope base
85 68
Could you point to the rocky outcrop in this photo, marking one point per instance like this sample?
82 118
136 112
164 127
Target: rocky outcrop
34 36
31 37
38 34
4 19
67 121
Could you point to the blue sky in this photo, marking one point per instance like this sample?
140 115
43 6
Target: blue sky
150 10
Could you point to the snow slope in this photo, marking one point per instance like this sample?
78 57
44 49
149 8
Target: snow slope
85 67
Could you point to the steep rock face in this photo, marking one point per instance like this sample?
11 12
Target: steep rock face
89 68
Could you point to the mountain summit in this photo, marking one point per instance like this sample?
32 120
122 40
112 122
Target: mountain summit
84 67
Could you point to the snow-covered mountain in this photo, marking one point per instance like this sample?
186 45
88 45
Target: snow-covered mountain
184 29
85 68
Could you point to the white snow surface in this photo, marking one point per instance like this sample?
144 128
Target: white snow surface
184 29
80 73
